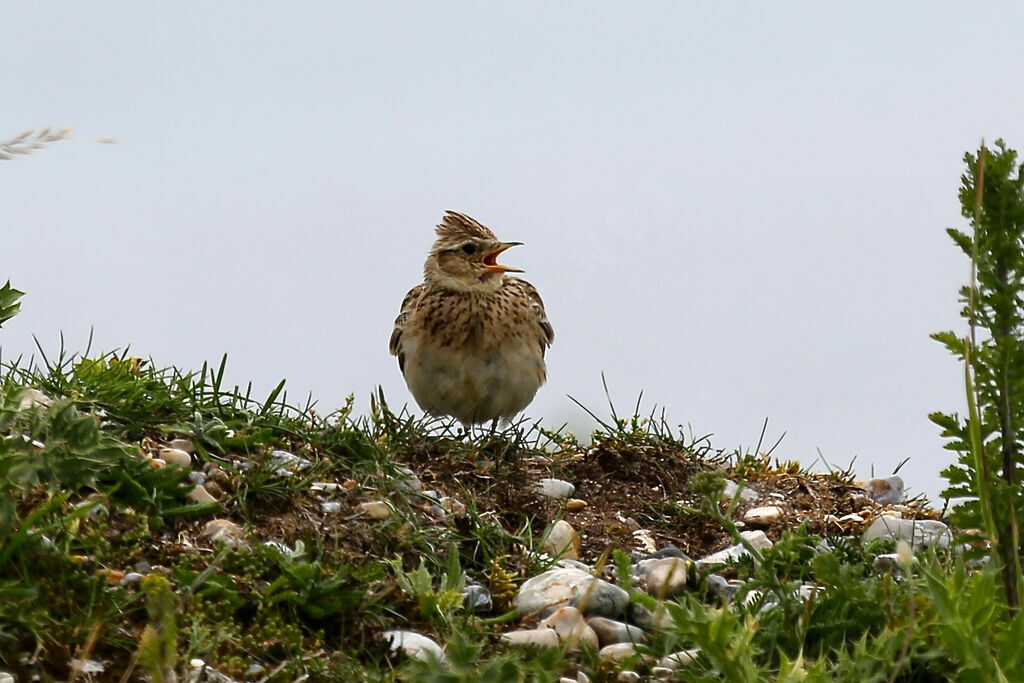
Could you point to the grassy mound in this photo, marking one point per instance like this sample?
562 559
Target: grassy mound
112 569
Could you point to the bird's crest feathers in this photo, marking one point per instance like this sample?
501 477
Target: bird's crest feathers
457 225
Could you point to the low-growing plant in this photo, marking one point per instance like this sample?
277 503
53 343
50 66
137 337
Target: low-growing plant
158 646
435 604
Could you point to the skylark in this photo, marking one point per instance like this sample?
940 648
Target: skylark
470 341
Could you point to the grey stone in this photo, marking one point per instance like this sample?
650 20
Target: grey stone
722 587
406 480
476 598
601 599
288 463
574 564
611 631
667 551
639 615
664 577
553 588
556 588
678 660
253 670
758 539
658 620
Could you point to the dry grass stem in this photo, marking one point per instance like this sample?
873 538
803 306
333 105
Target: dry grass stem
31 140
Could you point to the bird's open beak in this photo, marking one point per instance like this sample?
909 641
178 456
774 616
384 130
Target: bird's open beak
491 258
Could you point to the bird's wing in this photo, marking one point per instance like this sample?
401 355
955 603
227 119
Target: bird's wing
408 304
547 332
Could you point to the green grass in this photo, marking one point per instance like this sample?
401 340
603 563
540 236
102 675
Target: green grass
79 509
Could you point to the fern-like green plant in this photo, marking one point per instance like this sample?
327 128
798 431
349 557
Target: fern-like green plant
989 438
9 304
980 633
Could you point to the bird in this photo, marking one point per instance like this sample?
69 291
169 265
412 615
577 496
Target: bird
470 339
885 491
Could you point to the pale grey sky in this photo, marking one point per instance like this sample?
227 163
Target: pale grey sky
737 208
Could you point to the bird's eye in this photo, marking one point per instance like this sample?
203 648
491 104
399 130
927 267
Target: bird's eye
469 249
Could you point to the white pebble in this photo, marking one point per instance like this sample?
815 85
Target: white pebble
572 630
665 576
176 456
130 578
453 506
763 516
200 495
730 491
183 445
414 645
33 397
223 530
374 509
555 488
562 541
87 667
920 532
287 463
532 638
617 652
677 660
